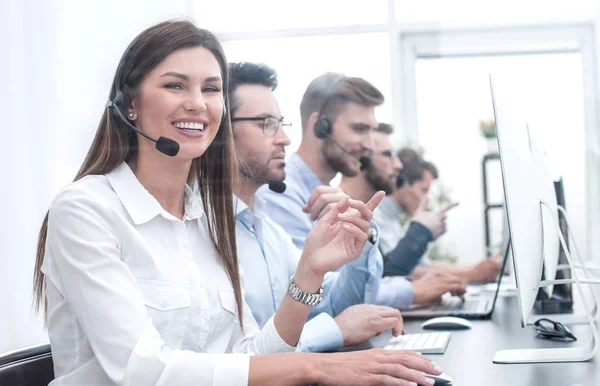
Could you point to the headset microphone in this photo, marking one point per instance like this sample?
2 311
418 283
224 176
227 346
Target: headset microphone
163 144
120 103
275 186
365 162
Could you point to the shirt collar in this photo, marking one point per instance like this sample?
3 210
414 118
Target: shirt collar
391 207
310 179
239 206
140 204
394 210
242 212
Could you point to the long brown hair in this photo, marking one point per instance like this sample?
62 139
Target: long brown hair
114 143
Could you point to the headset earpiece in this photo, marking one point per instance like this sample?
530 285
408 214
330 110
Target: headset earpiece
125 100
323 128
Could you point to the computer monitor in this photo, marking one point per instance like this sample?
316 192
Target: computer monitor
522 200
532 222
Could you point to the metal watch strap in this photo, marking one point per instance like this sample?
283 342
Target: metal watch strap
304 297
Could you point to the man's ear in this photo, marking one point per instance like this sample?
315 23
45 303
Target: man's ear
312 121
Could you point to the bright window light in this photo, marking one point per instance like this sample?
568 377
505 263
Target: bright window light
264 15
299 60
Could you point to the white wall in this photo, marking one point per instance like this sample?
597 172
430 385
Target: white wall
58 60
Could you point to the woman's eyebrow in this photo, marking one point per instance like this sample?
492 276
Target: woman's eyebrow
213 79
176 75
187 78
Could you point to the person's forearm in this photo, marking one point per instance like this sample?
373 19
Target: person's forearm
292 314
351 285
402 259
284 369
463 273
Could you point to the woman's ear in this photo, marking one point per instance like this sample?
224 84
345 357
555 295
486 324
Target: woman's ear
131 110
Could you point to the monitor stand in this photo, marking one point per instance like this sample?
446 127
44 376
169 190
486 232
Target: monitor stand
573 318
561 354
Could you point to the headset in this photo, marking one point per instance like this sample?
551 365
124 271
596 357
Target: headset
324 127
120 103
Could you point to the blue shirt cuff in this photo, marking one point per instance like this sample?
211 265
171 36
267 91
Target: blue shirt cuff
395 292
321 333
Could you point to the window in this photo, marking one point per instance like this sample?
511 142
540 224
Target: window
486 11
299 60
453 94
266 15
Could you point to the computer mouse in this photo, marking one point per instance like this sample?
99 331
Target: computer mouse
446 323
442 379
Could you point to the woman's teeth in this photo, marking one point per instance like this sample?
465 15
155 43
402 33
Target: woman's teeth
191 126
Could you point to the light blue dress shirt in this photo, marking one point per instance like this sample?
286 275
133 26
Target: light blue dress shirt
269 257
286 210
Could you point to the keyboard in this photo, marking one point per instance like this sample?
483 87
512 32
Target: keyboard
456 304
425 343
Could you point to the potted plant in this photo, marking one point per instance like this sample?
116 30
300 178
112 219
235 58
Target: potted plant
487 128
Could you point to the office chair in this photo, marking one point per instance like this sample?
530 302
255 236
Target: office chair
31 366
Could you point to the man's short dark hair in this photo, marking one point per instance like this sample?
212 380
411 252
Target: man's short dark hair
414 166
249 73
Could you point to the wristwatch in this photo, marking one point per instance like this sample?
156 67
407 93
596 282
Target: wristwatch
304 297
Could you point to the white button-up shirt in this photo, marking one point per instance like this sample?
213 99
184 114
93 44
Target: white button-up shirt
139 297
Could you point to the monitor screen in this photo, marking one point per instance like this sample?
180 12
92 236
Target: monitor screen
521 193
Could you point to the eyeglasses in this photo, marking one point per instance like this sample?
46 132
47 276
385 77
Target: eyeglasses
550 329
386 153
270 125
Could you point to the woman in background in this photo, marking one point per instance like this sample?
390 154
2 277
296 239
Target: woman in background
137 266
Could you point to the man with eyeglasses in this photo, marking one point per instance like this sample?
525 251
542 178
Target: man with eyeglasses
382 174
266 252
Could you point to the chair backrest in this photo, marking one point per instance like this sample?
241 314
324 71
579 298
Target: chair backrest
31 366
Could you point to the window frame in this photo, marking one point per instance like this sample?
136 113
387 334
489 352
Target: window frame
440 41
410 41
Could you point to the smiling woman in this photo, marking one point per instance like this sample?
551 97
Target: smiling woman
137 265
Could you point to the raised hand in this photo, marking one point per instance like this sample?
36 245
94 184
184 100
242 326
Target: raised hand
435 222
340 235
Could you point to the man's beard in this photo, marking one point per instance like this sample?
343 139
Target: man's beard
378 182
260 173
336 161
